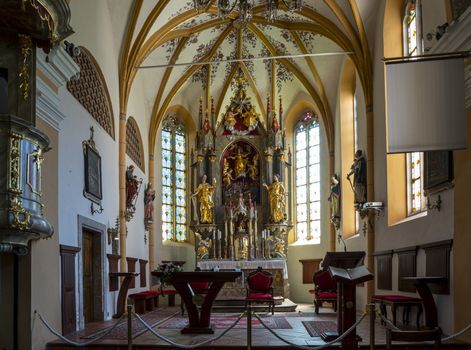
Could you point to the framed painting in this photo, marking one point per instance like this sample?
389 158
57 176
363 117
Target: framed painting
92 161
438 171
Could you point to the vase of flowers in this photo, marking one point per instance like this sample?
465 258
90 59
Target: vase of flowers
166 271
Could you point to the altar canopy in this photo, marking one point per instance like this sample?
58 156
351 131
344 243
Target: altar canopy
239 174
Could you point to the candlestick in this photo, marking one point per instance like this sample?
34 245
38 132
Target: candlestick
214 244
255 240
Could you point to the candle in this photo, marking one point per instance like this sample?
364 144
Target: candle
219 234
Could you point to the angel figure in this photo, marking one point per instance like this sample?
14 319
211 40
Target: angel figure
253 167
227 173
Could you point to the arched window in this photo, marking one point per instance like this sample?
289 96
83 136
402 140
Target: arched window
174 159
307 179
412 40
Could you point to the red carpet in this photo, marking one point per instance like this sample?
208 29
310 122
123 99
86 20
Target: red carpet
315 328
222 321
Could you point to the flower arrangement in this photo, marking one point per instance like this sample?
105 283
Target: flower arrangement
167 270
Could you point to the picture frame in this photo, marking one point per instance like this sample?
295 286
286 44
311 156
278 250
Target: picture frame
92 166
438 171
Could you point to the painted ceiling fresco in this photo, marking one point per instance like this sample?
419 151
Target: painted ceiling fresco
206 37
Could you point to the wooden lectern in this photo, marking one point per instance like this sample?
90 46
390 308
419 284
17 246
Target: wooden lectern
344 270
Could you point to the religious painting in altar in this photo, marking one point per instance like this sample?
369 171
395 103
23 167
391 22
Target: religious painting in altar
240 167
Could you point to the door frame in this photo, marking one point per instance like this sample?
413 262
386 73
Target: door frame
99 229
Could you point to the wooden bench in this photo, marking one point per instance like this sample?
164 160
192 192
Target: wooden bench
171 296
394 301
145 301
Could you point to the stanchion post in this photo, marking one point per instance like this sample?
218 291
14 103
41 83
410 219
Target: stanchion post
372 314
129 327
249 327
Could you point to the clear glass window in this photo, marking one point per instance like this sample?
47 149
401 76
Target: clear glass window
307 180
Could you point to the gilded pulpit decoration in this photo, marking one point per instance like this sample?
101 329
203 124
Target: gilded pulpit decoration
240 117
14 161
204 194
133 185
277 200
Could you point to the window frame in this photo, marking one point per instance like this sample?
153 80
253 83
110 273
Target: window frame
175 127
308 121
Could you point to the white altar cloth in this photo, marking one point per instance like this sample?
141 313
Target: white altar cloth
245 265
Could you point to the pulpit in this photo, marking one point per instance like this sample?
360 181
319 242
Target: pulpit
199 320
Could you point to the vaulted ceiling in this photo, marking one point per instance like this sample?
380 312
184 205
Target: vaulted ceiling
162 32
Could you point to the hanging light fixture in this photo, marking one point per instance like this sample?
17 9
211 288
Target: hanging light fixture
245 8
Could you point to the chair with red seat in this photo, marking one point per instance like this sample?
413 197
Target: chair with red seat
259 289
325 290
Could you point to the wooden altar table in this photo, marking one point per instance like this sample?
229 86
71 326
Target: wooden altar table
199 320
236 290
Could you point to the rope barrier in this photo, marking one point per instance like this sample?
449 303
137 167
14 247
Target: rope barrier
451 337
338 339
388 322
71 342
184 346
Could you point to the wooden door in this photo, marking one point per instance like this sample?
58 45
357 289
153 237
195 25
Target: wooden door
88 276
69 323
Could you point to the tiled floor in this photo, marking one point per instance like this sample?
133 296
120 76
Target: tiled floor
237 338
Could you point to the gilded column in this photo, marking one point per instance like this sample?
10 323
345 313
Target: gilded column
122 192
151 226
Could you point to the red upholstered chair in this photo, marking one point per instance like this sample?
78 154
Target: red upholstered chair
325 290
259 289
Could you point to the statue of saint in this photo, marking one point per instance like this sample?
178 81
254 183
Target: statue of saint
253 167
240 162
250 118
241 208
149 196
204 193
358 170
227 173
334 199
132 186
276 197
229 120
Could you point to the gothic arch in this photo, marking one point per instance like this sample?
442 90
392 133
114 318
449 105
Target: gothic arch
91 91
134 146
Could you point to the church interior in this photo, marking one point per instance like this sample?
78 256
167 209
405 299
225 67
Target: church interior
235 173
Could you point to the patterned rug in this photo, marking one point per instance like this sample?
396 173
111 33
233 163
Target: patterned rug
121 332
223 321
315 328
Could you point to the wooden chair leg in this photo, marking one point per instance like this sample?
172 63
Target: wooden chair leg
388 339
316 307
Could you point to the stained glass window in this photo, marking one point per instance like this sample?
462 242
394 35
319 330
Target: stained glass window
307 180
174 156
414 161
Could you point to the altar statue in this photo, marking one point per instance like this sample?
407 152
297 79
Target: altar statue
204 193
250 118
240 162
253 167
358 170
276 197
204 246
279 248
227 173
229 119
